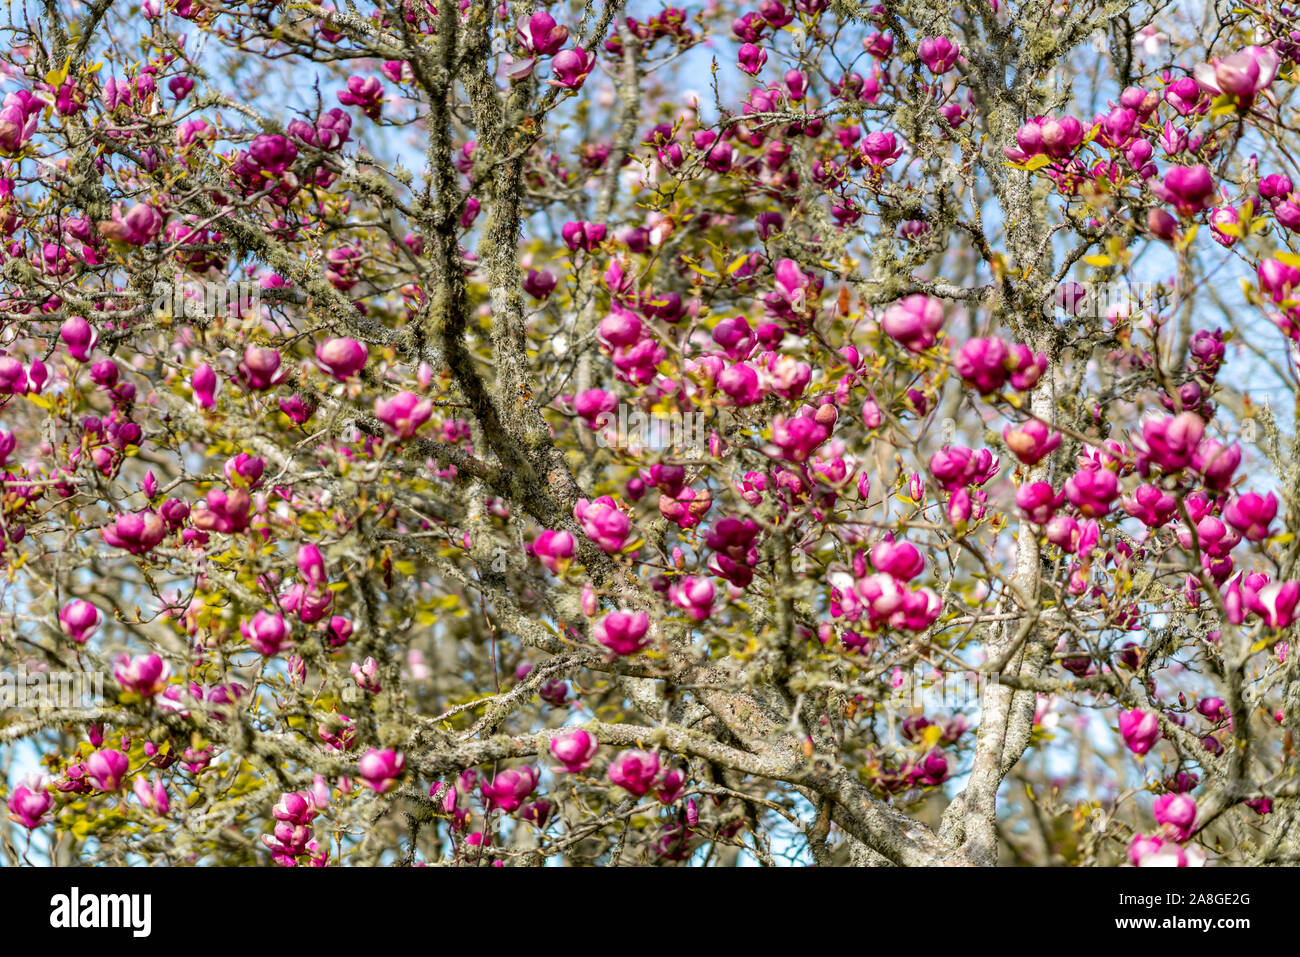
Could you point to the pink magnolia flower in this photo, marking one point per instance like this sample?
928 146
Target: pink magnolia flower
137 532
1092 491
1057 138
13 377
574 748
619 328
266 633
1025 365
1151 505
539 283
879 45
1038 501
751 58
957 467
914 321
603 523
79 336
380 770
18 121
145 675
623 633
571 67
792 285
1177 814
981 363
365 674
740 383
881 149
107 769
152 794
28 805
1140 730
582 235
1225 224
1217 463
593 404
1140 847
694 596
244 470
365 92
1032 441
223 511
1171 442
555 549
795 439
1189 189
541 35
79 619
342 358
1277 279
260 368
938 53
138 227
309 602
1241 75
635 771
1251 514
509 789
1275 602
900 559
311 565
204 383
404 413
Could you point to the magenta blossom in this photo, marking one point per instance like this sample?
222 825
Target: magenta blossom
901 559
1092 491
635 771
145 675
914 321
1251 514
623 633
1189 189
938 53
1031 442
260 368
1176 813
380 770
603 523
509 789
265 633
404 413
574 748
28 805
204 383
571 67
541 35
79 336
137 532
342 358
1140 730
79 619
107 769
554 549
694 596
1241 75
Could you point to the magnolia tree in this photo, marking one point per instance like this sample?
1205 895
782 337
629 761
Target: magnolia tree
483 434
